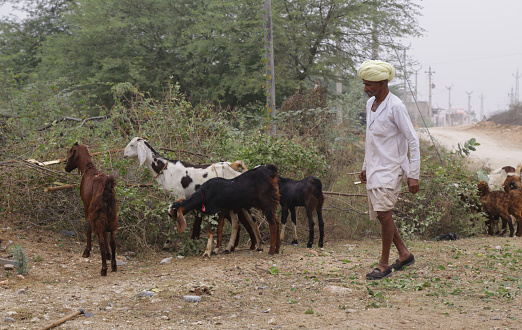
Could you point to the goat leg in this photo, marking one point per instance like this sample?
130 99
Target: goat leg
321 227
210 236
221 224
255 227
233 234
107 251
103 252
311 226
88 247
293 216
114 266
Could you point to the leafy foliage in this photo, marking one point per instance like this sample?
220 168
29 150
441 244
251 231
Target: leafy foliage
20 258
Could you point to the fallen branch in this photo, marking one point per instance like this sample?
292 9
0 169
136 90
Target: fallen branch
187 152
56 122
344 194
71 186
65 187
71 119
63 160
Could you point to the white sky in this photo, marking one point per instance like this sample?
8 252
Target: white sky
472 45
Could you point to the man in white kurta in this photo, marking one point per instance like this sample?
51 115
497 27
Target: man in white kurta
389 134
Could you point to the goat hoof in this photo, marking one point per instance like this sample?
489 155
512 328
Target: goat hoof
226 252
309 245
86 254
104 272
114 269
294 242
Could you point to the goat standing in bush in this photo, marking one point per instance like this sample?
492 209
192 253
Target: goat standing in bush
181 179
495 204
255 188
513 187
99 204
308 193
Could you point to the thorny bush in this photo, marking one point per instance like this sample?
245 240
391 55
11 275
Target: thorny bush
201 134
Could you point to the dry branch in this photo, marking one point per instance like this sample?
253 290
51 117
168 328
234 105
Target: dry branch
71 119
71 186
344 194
187 152
65 187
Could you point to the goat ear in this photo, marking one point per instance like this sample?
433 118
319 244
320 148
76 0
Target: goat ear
142 152
182 224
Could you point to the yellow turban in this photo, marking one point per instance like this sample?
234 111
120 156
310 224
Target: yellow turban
375 70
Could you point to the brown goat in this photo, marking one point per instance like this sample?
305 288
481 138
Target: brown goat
99 204
495 204
513 187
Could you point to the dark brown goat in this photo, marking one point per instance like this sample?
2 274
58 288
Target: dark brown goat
307 192
255 188
495 204
513 187
99 204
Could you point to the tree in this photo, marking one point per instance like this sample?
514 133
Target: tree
212 48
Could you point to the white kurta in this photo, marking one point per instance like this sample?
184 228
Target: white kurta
389 132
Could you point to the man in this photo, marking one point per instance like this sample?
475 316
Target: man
389 133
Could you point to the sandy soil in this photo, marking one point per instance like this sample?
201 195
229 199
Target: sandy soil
500 145
468 283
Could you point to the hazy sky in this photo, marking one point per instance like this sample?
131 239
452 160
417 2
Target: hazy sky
473 46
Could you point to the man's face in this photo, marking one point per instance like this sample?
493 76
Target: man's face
372 88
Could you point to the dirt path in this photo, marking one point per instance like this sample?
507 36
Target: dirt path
500 145
463 284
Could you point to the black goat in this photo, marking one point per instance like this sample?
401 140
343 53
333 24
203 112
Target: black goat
308 193
255 188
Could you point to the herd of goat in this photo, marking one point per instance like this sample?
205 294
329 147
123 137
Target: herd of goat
504 204
224 190
228 190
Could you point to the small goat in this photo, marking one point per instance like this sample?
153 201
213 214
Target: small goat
255 188
181 180
513 187
495 204
99 204
308 193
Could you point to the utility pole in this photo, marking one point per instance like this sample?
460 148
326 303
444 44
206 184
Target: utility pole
405 93
481 106
429 90
449 104
269 66
517 76
416 72
469 106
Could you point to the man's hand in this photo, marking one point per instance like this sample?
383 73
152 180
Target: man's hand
413 185
362 176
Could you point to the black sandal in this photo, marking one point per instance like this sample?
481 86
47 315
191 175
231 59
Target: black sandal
398 265
378 274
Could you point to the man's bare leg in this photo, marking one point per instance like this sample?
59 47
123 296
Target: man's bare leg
390 234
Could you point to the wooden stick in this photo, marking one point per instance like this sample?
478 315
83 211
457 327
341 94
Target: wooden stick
62 320
343 194
65 187
71 186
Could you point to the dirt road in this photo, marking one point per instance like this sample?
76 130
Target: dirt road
499 144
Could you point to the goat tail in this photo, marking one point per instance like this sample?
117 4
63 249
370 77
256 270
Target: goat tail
109 195
103 206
